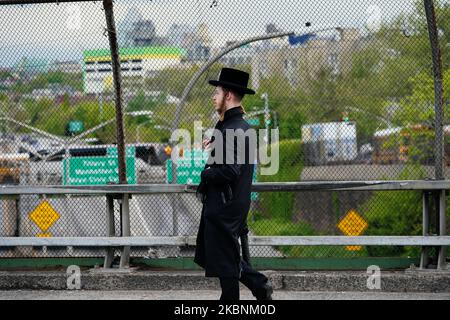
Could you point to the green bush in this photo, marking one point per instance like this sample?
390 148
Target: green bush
396 213
280 204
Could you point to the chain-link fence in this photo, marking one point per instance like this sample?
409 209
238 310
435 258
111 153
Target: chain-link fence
351 93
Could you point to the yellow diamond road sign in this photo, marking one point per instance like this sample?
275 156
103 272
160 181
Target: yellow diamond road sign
353 225
44 215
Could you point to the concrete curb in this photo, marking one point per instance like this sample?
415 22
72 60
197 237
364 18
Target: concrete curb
358 282
351 281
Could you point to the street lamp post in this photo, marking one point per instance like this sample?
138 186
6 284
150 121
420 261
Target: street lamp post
265 96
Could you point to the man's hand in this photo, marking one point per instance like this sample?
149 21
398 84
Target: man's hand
206 143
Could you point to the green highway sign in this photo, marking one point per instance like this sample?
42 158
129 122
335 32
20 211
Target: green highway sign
189 167
253 121
98 170
113 152
76 126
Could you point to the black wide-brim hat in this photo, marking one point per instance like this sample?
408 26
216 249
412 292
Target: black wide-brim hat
233 79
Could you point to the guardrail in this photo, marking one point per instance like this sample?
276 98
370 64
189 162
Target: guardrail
431 189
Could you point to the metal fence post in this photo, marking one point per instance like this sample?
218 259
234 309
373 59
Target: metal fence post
441 264
439 122
10 213
424 258
175 206
110 231
126 231
115 61
438 89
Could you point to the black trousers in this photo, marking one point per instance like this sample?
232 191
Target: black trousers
251 278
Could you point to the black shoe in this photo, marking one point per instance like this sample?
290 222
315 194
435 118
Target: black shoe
265 293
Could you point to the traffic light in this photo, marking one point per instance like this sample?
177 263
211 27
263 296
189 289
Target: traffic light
344 117
168 150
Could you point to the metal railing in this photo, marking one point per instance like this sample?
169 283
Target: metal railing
437 190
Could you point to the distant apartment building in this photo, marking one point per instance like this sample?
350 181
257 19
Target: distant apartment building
194 39
238 56
135 62
299 63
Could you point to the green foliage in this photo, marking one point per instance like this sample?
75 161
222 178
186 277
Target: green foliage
290 126
280 204
396 213
393 213
52 77
142 103
4 75
280 227
420 102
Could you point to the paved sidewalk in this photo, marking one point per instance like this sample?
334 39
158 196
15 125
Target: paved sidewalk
211 295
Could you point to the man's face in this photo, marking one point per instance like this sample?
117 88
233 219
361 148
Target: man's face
219 97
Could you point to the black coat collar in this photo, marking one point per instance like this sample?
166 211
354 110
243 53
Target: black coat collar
230 113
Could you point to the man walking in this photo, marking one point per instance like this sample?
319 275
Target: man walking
225 189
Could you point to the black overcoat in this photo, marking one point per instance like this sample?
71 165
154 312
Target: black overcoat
225 189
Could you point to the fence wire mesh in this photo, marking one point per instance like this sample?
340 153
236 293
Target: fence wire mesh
351 94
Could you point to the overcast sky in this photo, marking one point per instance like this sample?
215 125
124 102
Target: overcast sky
42 30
